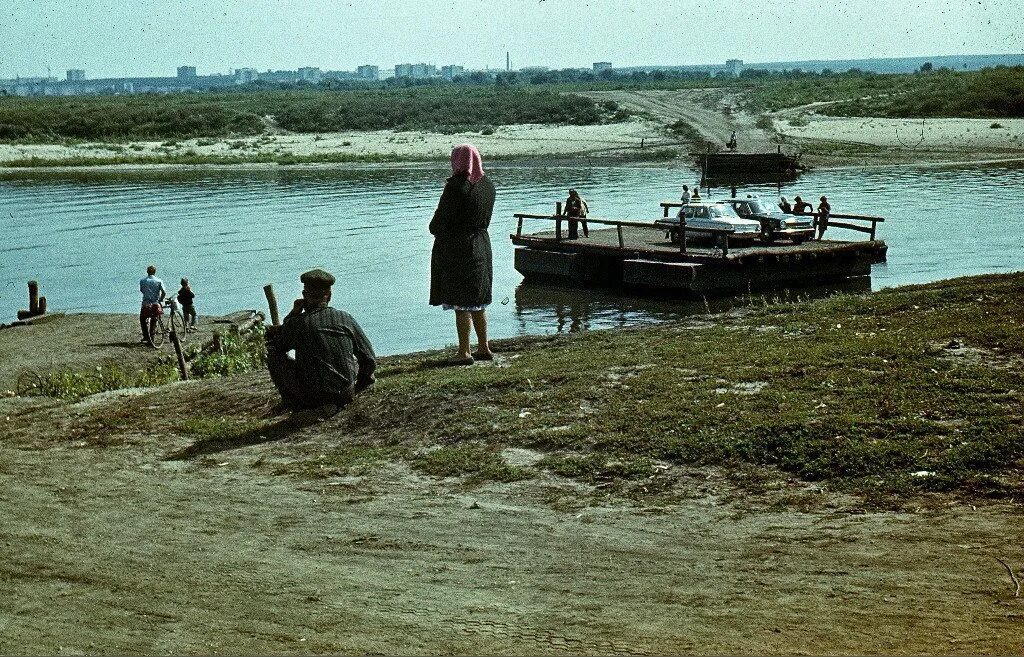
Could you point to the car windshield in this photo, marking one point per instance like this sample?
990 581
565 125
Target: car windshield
756 207
723 211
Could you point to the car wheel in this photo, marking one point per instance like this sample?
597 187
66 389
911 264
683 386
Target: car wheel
798 239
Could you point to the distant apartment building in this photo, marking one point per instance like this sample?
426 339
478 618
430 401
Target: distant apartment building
416 71
186 71
451 71
602 66
246 75
75 75
368 72
310 74
279 76
733 66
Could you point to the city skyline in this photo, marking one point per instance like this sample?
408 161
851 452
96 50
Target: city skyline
150 37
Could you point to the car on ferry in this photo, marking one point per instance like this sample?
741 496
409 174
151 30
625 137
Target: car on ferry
775 224
706 220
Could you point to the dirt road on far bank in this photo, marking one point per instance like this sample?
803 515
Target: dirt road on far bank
710 112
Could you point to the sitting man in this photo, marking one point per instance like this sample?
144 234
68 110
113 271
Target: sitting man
333 361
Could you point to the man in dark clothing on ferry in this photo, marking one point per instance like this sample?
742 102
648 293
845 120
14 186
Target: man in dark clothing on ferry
333 361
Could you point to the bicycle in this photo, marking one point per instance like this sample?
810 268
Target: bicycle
30 384
165 324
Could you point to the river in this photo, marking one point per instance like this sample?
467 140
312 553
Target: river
87 236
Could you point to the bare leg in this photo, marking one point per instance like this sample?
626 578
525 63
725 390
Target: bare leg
462 324
480 326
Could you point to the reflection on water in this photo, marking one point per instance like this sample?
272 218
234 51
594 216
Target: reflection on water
570 310
87 236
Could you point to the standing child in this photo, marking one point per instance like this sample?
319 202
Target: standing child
187 298
824 210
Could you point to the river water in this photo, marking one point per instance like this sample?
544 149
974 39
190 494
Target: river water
87 236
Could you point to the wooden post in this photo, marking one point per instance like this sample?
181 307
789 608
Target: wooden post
519 228
182 367
558 222
621 244
218 346
33 297
42 306
275 316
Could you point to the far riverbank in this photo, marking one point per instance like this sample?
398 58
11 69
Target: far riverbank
825 142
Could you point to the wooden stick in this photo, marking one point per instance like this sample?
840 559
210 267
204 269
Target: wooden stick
1016 582
275 316
33 297
182 367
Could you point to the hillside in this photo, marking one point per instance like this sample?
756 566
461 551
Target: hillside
828 476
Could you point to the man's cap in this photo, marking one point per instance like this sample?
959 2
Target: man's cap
317 278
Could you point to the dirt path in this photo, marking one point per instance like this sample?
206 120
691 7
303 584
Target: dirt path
116 549
704 109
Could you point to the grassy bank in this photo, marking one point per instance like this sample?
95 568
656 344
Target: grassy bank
474 107
891 396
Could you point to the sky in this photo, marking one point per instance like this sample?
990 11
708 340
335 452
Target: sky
114 38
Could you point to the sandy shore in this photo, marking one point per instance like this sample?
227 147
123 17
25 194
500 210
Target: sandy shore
505 142
951 135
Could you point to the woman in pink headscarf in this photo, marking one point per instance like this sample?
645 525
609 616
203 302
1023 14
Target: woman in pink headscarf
460 263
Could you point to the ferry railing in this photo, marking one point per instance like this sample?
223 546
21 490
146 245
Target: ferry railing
720 235
666 206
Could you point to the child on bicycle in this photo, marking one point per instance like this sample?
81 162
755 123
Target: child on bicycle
186 297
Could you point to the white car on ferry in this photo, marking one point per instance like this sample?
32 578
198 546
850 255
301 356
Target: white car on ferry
704 219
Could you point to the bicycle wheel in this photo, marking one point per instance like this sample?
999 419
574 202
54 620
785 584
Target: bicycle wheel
178 326
160 333
30 384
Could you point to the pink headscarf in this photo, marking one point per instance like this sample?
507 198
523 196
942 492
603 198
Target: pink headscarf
466 159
